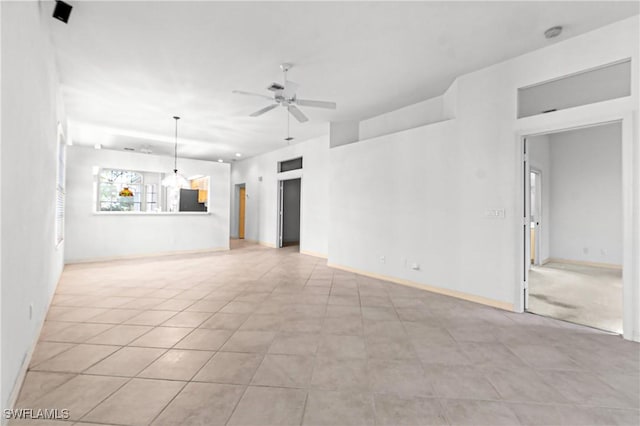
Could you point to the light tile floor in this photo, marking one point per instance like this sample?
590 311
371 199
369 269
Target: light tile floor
258 336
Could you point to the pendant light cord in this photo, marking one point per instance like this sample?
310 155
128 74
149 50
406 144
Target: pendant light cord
175 153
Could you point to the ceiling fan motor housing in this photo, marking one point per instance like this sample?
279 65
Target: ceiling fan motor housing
274 87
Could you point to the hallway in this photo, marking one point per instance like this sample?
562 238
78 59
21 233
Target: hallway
264 336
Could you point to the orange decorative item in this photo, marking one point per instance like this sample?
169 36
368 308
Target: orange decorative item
126 192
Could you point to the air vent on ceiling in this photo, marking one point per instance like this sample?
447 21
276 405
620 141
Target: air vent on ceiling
129 149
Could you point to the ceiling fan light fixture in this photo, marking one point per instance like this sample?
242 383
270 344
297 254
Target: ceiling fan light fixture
285 95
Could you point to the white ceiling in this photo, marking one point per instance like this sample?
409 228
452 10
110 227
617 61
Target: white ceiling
128 67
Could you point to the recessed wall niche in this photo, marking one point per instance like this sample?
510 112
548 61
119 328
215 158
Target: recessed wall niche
598 84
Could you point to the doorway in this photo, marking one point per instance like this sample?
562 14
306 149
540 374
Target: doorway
574 210
242 198
289 212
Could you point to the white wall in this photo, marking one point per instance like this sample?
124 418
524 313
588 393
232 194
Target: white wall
31 109
586 194
262 196
409 117
398 196
344 132
483 154
93 236
539 159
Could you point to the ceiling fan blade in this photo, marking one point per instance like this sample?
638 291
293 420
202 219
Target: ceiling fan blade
242 92
290 88
316 104
299 115
263 110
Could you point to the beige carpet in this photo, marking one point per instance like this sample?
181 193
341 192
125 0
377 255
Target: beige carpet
577 293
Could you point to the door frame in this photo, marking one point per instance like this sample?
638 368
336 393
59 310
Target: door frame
235 216
537 227
630 219
279 207
242 211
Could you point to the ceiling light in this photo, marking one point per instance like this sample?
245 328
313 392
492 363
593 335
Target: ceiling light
97 146
220 160
553 32
175 180
238 154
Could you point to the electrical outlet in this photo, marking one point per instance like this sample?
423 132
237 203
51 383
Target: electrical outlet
415 266
383 259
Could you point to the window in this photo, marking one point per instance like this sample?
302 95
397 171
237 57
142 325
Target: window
288 165
60 187
151 200
120 190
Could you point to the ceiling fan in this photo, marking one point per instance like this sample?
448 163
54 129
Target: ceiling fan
285 95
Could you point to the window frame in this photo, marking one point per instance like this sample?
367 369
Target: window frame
60 193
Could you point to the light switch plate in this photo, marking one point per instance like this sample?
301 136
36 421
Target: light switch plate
495 213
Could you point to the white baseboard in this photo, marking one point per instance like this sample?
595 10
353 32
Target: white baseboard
144 255
262 243
584 263
17 385
453 293
314 254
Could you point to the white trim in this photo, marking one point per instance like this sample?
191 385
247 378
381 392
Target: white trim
262 243
145 255
618 110
439 290
280 206
314 254
105 213
24 368
585 263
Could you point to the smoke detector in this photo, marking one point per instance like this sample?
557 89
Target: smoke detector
553 32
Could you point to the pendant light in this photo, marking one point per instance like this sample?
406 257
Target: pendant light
176 180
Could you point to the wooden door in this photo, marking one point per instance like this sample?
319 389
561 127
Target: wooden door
241 213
